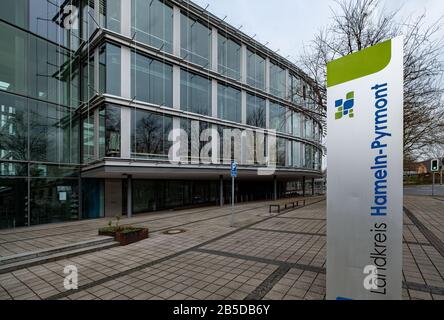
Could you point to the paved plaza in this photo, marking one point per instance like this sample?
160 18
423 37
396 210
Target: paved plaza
278 257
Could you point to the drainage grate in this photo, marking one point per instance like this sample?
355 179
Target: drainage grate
174 231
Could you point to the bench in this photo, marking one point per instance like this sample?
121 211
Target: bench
286 203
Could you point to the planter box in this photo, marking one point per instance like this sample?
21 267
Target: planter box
107 233
126 238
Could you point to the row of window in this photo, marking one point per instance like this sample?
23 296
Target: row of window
152 82
150 139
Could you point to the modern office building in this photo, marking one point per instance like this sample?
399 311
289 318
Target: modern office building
87 106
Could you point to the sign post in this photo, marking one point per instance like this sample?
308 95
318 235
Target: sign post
434 167
233 176
364 185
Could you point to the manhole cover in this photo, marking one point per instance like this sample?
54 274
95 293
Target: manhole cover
174 231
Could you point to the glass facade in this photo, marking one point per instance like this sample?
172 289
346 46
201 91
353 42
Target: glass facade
152 23
67 103
195 40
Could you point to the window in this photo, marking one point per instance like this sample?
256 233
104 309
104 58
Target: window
15 12
88 139
281 151
296 154
296 124
255 70
13 127
278 117
152 80
296 90
229 103
255 111
195 41
152 23
113 13
229 56
277 80
109 132
195 93
110 69
88 79
49 132
149 135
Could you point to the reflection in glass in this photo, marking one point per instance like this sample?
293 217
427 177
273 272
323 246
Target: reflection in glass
54 200
149 135
255 111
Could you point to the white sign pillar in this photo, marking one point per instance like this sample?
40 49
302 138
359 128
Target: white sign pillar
364 183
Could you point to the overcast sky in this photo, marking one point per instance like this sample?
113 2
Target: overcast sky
289 24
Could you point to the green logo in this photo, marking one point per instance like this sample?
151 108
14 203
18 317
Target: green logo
345 107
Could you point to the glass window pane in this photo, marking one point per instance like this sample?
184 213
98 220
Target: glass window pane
195 41
255 70
229 56
113 12
112 131
278 117
195 93
229 103
13 127
149 135
13 203
152 80
277 80
152 23
255 111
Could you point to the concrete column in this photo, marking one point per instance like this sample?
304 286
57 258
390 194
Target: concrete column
96 119
176 31
176 87
214 51
97 13
96 71
244 63
214 98
275 187
125 132
221 191
125 69
267 75
244 107
130 197
287 84
125 22
267 114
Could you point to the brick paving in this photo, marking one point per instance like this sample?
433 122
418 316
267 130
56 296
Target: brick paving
263 257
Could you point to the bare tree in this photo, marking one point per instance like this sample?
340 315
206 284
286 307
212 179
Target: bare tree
358 24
